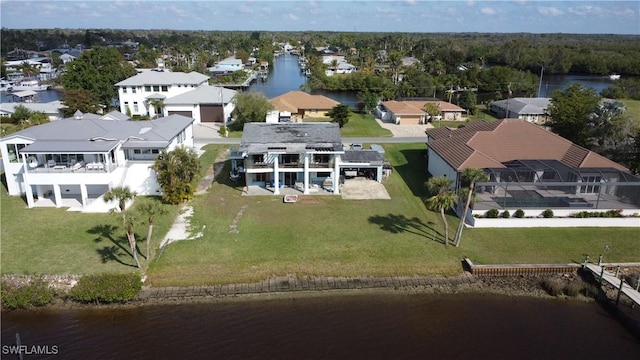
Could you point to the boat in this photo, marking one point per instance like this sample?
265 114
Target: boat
33 85
614 76
6 85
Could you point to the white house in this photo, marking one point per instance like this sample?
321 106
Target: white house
159 93
226 66
141 94
72 162
308 157
531 109
52 109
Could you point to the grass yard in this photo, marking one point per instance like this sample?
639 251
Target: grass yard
633 110
325 235
56 241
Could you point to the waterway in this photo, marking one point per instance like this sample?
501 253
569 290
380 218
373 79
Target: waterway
342 326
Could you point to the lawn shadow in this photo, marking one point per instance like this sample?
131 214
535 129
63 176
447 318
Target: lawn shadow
224 178
414 171
111 252
397 224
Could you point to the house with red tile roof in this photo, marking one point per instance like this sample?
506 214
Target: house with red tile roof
411 112
302 105
530 167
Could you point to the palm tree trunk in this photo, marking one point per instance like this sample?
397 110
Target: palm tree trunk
149 238
134 251
446 227
458 236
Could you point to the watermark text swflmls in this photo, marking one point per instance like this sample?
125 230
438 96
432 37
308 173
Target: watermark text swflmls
30 349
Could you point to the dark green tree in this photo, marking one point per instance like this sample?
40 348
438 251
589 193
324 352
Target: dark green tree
442 199
250 107
79 99
97 71
468 101
177 172
570 111
340 114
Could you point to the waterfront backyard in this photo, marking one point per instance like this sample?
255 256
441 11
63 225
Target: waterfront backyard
318 235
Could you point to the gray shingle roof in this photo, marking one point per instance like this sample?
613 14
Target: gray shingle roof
95 133
203 94
164 78
291 137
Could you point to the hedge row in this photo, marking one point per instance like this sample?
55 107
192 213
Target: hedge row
106 288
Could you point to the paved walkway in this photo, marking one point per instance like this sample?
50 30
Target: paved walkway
312 283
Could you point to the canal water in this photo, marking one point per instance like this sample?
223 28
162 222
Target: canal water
344 326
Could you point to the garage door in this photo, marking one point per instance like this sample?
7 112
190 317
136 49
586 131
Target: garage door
183 113
211 113
410 120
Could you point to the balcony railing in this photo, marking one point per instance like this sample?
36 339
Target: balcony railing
90 168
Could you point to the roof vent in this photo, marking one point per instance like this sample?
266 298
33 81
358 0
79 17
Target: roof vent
78 115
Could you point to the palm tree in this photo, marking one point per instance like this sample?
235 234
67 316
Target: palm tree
129 220
442 198
121 194
150 208
472 176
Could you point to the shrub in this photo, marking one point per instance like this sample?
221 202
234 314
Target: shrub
547 213
519 214
506 214
552 286
574 288
106 288
492 213
24 296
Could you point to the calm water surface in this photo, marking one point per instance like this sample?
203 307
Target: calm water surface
360 326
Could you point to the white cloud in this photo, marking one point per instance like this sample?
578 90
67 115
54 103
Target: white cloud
292 16
488 11
549 11
587 10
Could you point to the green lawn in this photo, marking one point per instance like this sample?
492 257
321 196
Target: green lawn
56 241
325 235
319 235
633 109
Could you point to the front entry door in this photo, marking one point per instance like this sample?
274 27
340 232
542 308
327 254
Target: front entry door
290 178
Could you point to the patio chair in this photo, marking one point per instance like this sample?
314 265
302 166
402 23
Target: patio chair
51 163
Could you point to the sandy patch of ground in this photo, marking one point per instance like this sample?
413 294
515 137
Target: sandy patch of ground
363 189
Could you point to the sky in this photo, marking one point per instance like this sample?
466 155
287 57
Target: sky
576 17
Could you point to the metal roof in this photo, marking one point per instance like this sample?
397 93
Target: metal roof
291 137
164 78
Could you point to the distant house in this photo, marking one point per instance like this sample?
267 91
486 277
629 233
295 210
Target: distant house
530 168
411 112
52 109
227 66
157 93
531 109
302 105
72 162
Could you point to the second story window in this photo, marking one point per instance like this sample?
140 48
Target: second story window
147 88
258 158
133 89
124 89
165 88
156 87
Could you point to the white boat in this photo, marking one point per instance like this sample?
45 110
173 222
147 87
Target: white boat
6 85
614 76
33 85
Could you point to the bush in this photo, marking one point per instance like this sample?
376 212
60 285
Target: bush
106 288
492 214
602 214
574 288
25 296
547 213
519 214
552 286
506 214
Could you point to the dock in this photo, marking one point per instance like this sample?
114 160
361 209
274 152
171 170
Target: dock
603 275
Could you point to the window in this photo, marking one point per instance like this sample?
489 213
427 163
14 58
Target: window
181 136
258 159
290 159
321 158
324 174
126 107
261 177
14 152
133 89
156 87
165 88
147 88
135 106
590 189
124 89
